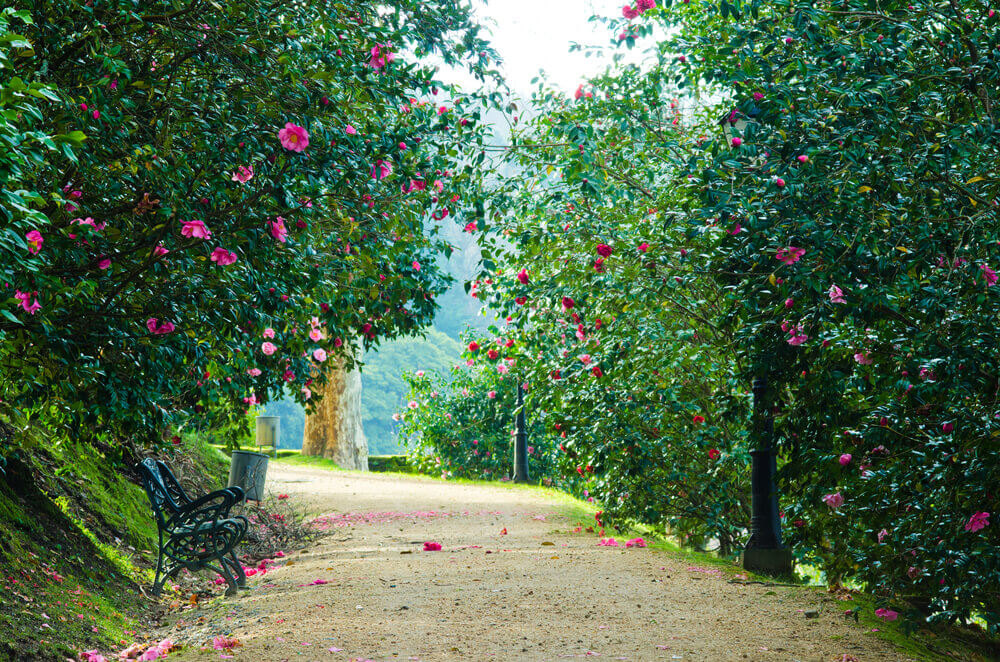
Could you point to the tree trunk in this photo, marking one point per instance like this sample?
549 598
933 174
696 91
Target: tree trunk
334 430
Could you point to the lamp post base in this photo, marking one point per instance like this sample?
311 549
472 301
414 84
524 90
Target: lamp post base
768 561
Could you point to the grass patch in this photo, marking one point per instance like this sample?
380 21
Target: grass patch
77 540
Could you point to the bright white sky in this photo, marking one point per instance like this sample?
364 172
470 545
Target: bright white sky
536 34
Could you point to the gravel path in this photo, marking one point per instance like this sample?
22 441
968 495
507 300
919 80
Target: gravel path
512 582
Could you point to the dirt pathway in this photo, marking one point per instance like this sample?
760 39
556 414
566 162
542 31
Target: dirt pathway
540 592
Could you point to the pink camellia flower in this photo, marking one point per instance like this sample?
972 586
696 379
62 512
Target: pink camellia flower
269 332
863 358
278 229
492 395
989 275
836 295
502 369
790 254
315 335
30 307
195 229
158 328
412 404
835 500
882 535
643 247
913 572
471 227
522 276
221 642
568 303
381 169
396 417
159 251
629 13
737 141
89 221
845 459
978 521
293 137
644 5
947 428
758 96
432 546
254 372
604 250
104 264
802 158
222 257
243 174
797 335
268 348
887 614
319 354
381 56
779 182
35 241
350 130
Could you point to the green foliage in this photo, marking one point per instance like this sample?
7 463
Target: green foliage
384 387
844 247
462 424
129 122
391 463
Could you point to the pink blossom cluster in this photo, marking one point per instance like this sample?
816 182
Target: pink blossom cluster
641 6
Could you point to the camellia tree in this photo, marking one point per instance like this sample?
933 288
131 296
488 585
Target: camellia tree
204 201
824 208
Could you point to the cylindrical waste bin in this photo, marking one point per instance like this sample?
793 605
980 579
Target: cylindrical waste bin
248 470
267 433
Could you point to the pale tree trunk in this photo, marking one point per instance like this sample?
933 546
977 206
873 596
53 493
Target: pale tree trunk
334 430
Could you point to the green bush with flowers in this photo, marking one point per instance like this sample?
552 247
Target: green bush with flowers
462 424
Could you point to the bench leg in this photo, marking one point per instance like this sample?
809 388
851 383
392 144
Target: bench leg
160 577
224 570
241 577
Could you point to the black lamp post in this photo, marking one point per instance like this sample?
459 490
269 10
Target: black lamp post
520 440
764 551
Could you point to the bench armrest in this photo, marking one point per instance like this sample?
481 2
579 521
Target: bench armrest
214 506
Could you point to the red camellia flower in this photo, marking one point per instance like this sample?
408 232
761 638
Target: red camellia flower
473 346
521 300
492 354
522 276
556 375
568 303
597 371
603 250
713 454
698 418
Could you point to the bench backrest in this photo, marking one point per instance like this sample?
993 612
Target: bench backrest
159 494
170 482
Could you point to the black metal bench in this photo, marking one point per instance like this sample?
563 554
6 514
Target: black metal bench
193 533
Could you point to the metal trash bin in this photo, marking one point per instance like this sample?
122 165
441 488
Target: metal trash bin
268 430
248 470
